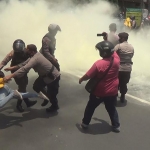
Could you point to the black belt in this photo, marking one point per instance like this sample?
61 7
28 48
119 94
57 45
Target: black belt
126 63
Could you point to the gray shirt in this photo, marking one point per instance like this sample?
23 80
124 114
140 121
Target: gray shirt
125 52
113 38
40 65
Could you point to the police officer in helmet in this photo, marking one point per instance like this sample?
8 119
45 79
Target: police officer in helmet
17 56
47 50
49 44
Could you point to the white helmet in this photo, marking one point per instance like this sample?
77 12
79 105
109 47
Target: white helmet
53 27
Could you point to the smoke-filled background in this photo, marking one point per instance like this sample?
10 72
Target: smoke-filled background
75 49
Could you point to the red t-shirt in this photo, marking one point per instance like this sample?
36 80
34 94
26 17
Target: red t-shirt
108 86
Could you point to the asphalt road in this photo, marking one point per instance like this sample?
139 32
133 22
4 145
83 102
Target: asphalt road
36 130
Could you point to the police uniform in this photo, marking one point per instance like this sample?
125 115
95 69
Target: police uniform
48 75
125 52
23 81
48 49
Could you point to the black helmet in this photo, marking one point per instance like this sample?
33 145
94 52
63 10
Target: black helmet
105 48
18 45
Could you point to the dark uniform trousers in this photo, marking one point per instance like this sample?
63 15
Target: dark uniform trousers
109 105
52 89
22 85
124 78
23 81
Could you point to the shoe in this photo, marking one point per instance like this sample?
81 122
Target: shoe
31 103
52 108
42 96
83 126
20 108
17 95
45 102
122 98
117 130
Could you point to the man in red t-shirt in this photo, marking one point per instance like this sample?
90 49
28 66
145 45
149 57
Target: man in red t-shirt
107 89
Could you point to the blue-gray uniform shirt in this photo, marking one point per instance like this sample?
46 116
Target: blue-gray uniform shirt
40 65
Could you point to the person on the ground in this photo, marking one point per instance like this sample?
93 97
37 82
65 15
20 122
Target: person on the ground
48 74
6 93
107 89
125 51
17 56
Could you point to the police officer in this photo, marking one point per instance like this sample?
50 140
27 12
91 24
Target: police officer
49 44
48 74
48 49
125 52
17 56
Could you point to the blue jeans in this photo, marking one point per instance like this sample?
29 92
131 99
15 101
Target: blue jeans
6 94
109 105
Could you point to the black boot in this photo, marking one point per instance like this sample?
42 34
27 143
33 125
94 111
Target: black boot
45 102
52 108
122 98
29 103
19 106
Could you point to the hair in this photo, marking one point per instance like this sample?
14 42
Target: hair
2 75
123 35
112 27
32 47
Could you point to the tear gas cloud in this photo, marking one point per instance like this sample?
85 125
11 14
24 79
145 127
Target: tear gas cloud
75 48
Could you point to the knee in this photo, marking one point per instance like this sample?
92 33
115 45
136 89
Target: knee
22 88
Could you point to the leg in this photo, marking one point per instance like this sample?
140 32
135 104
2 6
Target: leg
52 91
39 86
111 109
90 108
22 84
33 95
124 78
6 94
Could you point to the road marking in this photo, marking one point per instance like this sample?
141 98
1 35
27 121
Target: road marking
139 99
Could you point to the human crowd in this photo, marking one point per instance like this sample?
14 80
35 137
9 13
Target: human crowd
110 75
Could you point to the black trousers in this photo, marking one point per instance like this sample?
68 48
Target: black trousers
109 105
22 85
124 78
50 91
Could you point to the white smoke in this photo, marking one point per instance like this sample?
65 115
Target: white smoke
29 20
80 24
